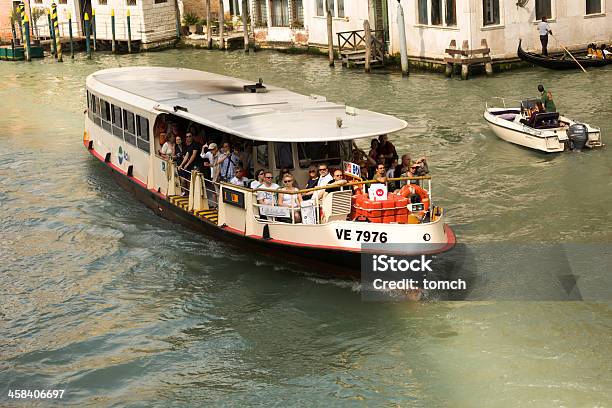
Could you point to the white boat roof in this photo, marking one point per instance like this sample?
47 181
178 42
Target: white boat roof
220 102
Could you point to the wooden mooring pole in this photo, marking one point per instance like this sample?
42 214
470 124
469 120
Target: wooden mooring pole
209 25
70 34
26 28
221 25
51 33
93 28
129 28
58 42
245 24
401 27
113 41
330 32
368 45
87 45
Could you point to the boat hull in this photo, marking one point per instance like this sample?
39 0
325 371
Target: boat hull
322 261
557 63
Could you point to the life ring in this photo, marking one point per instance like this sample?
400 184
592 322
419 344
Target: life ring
410 189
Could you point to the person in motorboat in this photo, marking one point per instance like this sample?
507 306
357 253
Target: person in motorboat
547 99
239 178
544 30
290 200
313 181
532 113
606 53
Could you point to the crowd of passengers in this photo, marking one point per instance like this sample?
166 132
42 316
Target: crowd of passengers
234 164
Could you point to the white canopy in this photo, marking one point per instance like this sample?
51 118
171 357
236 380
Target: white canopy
220 102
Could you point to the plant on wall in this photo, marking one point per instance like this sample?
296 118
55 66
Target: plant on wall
190 19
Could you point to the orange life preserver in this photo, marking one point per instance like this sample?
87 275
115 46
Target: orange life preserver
410 189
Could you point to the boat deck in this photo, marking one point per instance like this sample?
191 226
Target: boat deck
211 215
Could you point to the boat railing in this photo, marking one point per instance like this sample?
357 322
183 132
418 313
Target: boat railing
321 207
206 194
487 106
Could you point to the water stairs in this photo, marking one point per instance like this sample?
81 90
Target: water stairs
211 215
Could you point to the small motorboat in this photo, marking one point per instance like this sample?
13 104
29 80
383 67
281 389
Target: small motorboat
546 131
559 63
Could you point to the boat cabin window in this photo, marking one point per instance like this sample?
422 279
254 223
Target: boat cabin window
128 127
283 155
117 123
262 154
320 152
105 113
142 130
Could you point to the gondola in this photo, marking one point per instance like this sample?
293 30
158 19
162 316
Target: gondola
559 63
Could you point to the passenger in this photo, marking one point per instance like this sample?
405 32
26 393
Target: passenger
324 179
290 200
179 150
228 162
313 180
363 169
239 179
539 108
358 154
216 161
418 169
338 180
373 156
547 99
607 54
197 135
207 161
283 172
167 150
267 197
391 173
191 160
324 176
259 179
379 175
245 159
386 150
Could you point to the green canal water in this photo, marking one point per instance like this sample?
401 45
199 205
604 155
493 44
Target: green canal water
121 308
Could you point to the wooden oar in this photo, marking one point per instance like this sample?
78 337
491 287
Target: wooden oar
570 54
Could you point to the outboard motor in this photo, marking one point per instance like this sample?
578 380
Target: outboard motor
578 136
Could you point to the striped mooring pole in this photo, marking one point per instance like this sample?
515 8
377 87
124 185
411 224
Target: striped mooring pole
58 42
93 27
129 27
87 47
21 9
26 28
51 34
113 43
70 34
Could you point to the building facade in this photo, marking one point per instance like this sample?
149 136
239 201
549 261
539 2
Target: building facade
152 21
432 24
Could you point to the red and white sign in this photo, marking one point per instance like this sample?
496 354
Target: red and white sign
351 169
378 192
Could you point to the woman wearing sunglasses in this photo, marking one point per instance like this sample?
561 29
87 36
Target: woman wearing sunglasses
290 200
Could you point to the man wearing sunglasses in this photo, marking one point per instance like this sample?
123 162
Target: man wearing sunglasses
313 181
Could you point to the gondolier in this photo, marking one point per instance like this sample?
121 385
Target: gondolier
544 30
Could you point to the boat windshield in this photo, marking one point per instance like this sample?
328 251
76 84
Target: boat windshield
331 153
